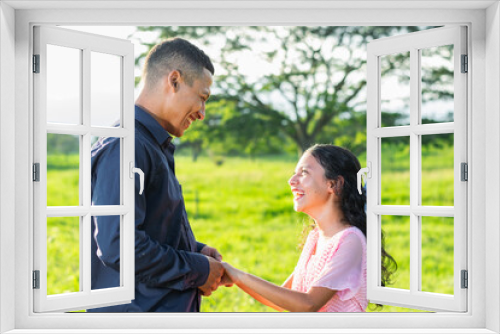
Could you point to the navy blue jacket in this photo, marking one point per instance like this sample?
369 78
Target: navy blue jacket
168 265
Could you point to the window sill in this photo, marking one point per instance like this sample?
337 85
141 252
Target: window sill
248 331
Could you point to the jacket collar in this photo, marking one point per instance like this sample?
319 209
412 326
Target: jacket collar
159 133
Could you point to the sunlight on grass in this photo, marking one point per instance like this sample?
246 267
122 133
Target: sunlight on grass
244 208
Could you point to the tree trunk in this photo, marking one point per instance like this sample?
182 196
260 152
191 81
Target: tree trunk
196 150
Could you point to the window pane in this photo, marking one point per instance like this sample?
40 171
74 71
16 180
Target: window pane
63 255
63 170
437 254
437 170
107 190
395 171
396 230
106 250
395 89
63 85
105 89
437 84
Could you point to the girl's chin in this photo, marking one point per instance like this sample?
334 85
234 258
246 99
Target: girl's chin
297 208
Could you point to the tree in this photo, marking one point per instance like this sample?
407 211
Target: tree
313 75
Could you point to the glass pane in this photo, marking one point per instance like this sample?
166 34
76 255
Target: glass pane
63 255
63 85
437 254
105 89
395 89
106 172
63 170
396 230
437 73
395 171
106 249
437 170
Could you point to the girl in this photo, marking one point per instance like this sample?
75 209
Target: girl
331 273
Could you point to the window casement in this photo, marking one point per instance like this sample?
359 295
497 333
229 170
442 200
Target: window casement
16 253
83 84
397 70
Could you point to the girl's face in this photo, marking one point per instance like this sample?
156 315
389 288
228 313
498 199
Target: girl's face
311 189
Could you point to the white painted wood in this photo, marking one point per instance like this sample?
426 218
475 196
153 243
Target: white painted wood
246 4
86 298
97 210
7 167
470 322
94 131
491 163
414 298
415 249
406 210
418 129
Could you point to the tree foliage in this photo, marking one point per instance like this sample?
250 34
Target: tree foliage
282 87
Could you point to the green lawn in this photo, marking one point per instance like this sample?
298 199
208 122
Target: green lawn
244 208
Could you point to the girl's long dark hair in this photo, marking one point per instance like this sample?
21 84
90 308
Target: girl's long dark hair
337 161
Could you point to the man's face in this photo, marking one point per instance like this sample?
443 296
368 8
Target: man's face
188 103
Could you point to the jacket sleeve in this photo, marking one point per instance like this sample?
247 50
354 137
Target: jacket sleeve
156 265
199 246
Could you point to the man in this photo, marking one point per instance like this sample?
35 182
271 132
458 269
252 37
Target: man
172 269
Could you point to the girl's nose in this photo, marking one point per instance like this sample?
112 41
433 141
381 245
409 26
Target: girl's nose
292 180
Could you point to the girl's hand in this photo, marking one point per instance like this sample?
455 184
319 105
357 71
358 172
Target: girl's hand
231 273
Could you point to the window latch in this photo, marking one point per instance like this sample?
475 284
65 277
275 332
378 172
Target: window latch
365 173
141 175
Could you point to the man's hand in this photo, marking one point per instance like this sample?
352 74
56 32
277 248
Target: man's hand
226 280
214 277
212 252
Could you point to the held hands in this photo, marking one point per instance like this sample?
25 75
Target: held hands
216 276
211 252
231 273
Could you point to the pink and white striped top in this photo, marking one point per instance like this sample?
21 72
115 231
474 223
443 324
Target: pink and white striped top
341 266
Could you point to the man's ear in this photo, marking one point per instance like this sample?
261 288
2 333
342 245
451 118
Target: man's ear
174 79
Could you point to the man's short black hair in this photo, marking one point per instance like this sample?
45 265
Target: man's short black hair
176 54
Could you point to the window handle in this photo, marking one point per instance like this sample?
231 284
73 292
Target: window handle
366 173
141 175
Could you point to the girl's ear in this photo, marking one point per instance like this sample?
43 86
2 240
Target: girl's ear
337 185
340 182
331 186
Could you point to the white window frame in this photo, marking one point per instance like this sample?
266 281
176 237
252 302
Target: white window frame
124 51
413 44
16 21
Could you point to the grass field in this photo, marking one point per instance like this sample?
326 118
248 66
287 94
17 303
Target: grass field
244 209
